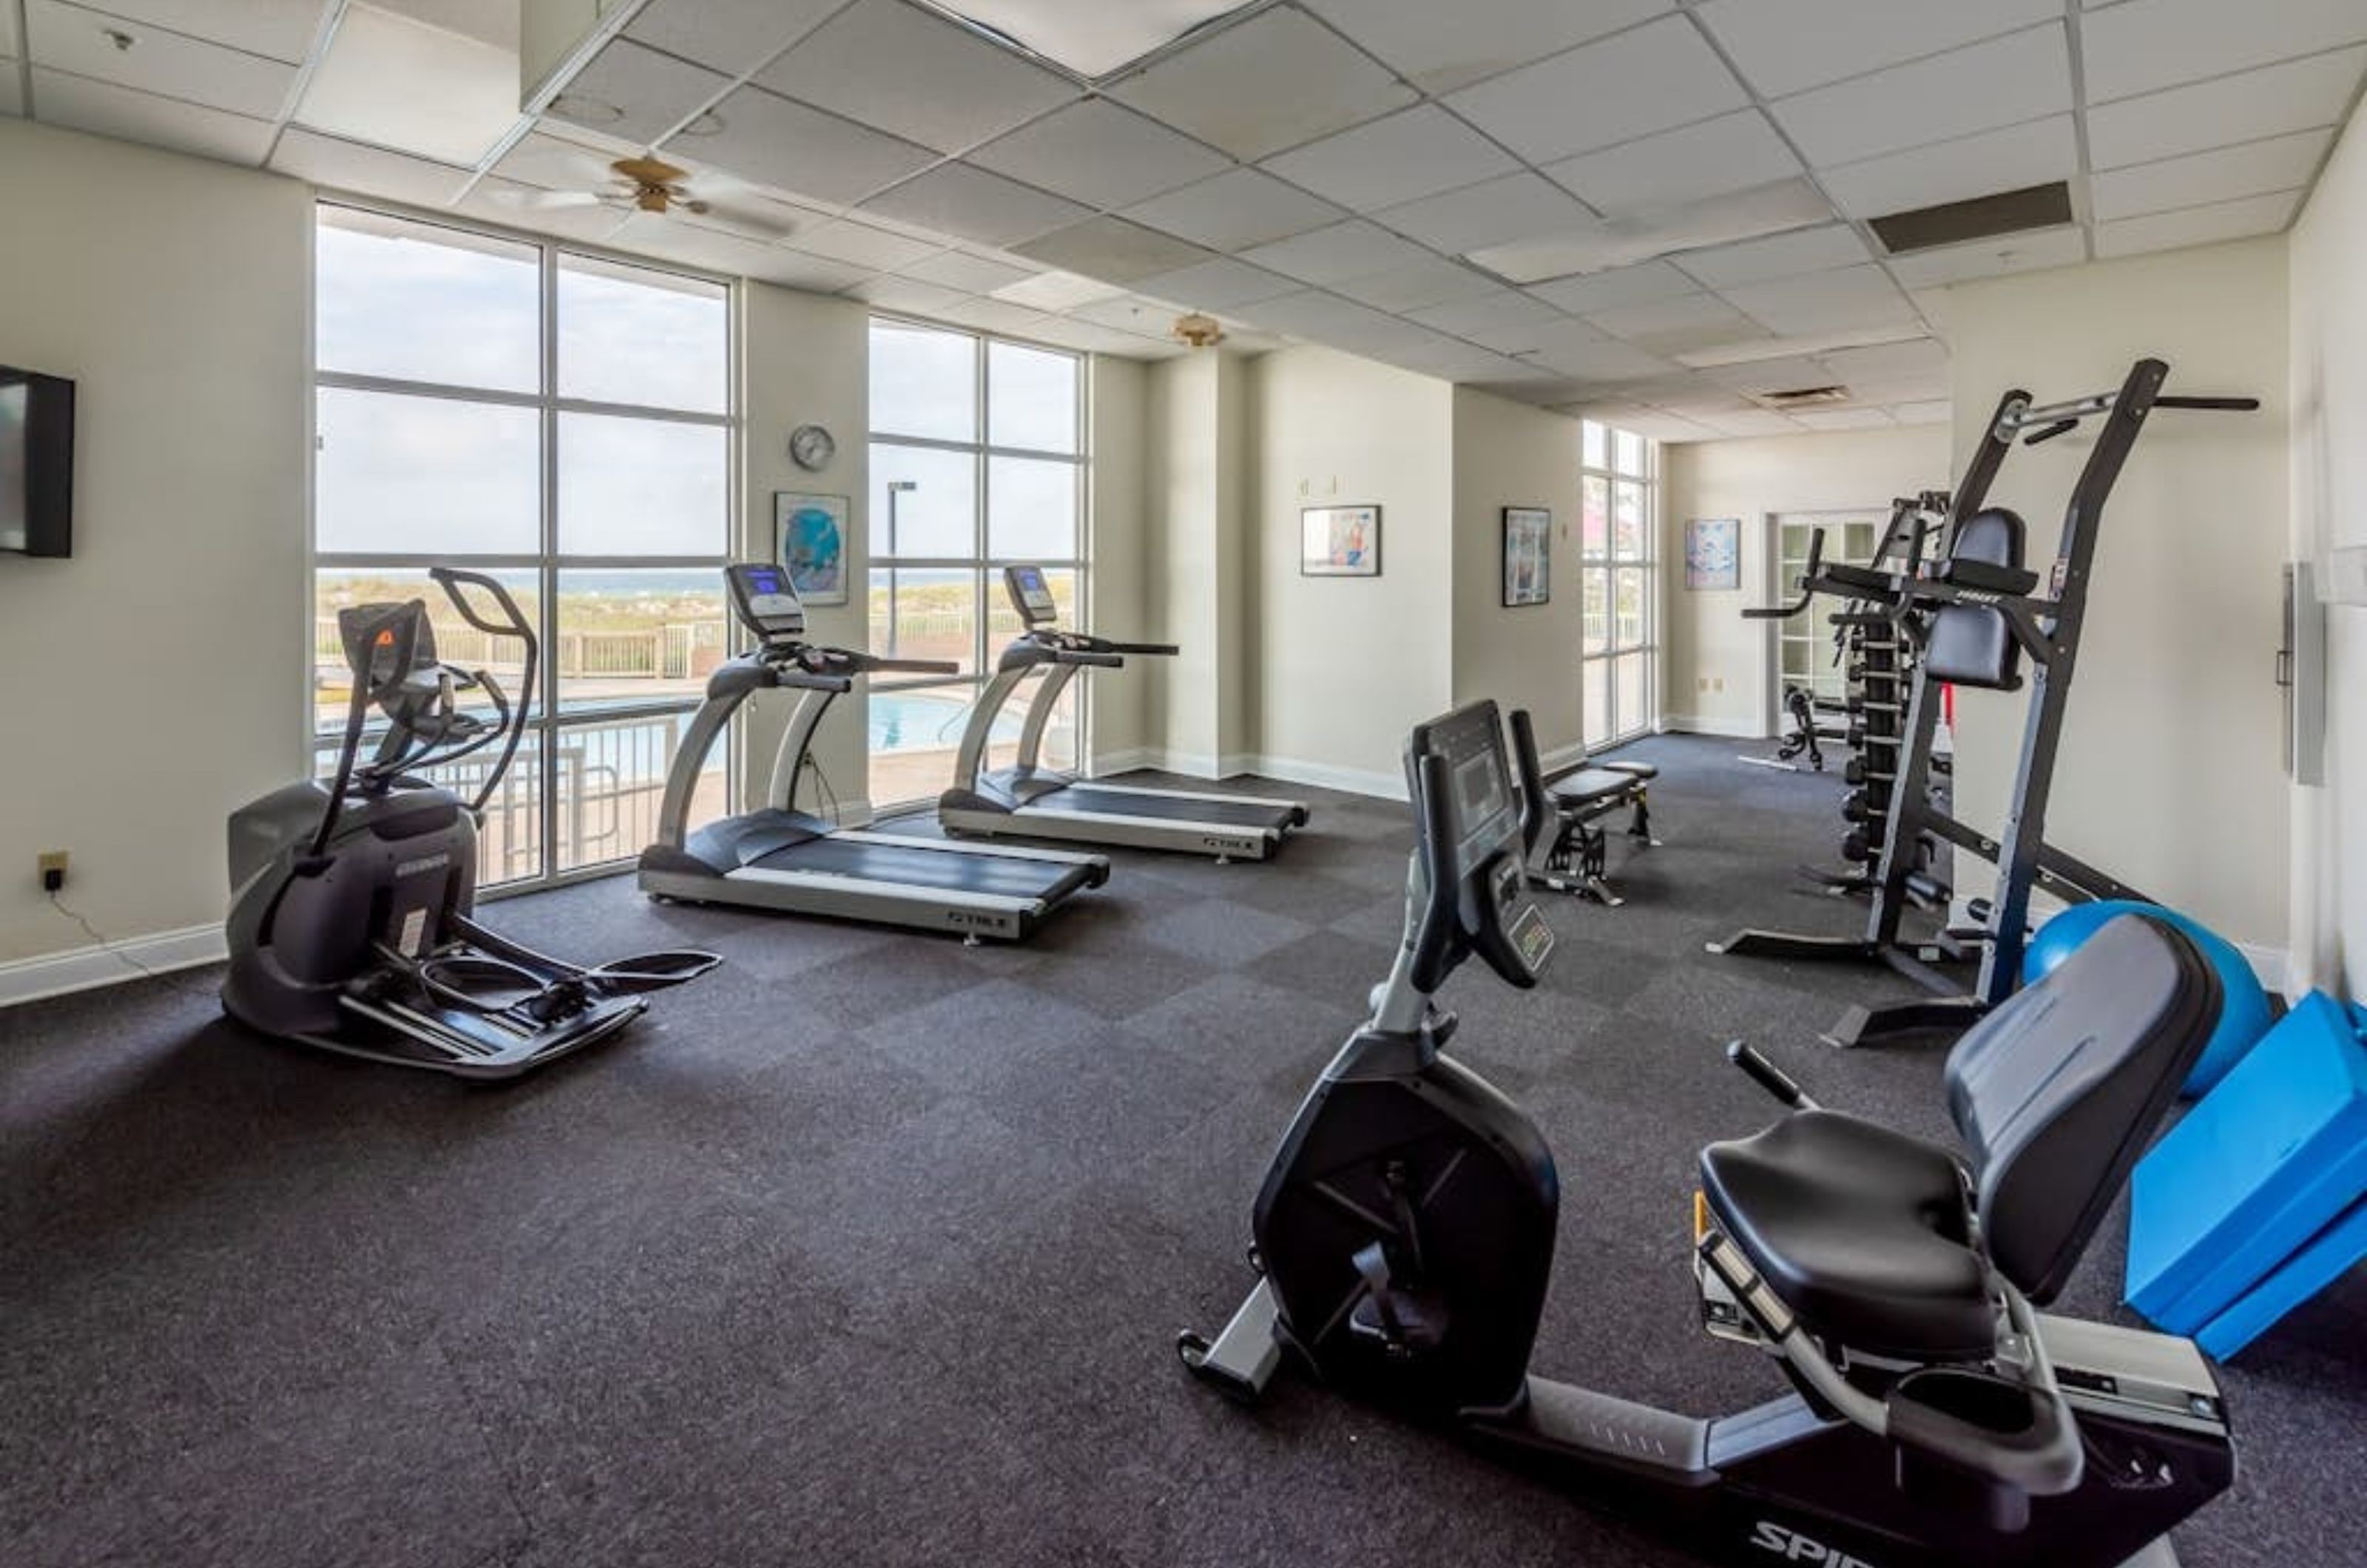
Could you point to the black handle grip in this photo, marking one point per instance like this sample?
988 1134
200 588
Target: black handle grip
1435 937
452 579
2224 405
911 666
1768 1075
1090 660
1532 779
1155 649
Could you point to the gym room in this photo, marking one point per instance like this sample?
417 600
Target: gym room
760 752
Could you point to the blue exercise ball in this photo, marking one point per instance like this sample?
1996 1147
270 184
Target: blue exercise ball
2244 1012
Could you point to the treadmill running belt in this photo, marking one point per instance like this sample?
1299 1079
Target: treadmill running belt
1005 876
1084 800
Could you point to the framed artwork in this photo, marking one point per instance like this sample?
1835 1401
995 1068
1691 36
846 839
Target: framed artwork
1714 554
1528 556
811 531
1339 541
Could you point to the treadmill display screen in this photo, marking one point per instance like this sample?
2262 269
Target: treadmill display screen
763 579
1030 594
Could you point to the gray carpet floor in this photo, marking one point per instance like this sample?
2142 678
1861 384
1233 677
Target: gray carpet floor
869 1249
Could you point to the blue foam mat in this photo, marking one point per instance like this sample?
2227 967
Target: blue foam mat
2310 1271
2266 1162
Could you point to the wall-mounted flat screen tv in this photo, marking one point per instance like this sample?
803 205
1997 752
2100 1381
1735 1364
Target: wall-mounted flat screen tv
36 420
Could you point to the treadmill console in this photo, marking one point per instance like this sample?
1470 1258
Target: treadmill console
765 600
1030 595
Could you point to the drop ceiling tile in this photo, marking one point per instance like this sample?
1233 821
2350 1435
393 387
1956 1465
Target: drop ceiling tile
656 92
908 295
2297 95
366 88
1129 313
1112 249
973 204
971 274
892 66
2145 44
1782 255
367 171
998 316
1889 361
1716 157
1622 286
1100 154
1273 81
1668 429
2197 225
2013 159
1603 363
804 151
516 205
1787 46
1838 300
1087 338
1238 209
729 36
2282 162
1218 284
1460 362
1939 410
2003 82
68 40
1655 78
861 244
2067 246
1410 347
1843 419
1326 317
76 103
1493 212
553 162
1487 319
795 269
1339 253
277 30
1758 421
1057 291
1440 47
1678 326
1411 287
1396 159
1891 391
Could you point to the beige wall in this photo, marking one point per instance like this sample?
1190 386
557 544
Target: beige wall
1120 544
154 681
1344 667
1508 453
1717 670
2329 478
805 359
2170 772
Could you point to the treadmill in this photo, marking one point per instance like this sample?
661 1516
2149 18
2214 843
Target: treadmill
1035 802
780 858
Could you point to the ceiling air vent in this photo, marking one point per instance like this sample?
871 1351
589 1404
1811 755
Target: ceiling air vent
1983 217
1804 396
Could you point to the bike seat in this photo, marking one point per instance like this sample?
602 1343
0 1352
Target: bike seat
1861 1231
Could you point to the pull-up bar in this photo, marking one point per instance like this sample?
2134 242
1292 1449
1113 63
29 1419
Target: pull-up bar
2059 419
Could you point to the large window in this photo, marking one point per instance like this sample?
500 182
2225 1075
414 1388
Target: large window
563 422
1618 585
977 462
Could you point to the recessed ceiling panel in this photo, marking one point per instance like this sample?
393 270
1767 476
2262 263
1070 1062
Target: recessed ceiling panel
2003 82
1273 81
1411 289
1112 249
804 151
277 29
635 94
1344 250
1100 154
2282 163
1442 47
1396 159
70 38
1234 210
1623 285
2146 44
2198 225
1494 212
730 36
1218 284
76 103
1784 255
886 64
2297 95
1673 326
1992 258
969 274
1731 152
399 83
1655 78
1787 46
861 244
1824 301
973 204
2015 158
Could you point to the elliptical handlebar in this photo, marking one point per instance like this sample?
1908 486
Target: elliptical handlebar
1532 778
513 720
1434 936
399 627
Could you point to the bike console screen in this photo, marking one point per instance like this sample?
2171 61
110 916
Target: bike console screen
1484 817
766 601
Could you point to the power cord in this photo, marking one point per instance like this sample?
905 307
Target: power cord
821 782
108 947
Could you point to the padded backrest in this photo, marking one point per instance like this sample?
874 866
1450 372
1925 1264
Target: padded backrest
1972 645
2058 1091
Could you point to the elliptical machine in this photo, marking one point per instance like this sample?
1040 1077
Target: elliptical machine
1405 1234
352 926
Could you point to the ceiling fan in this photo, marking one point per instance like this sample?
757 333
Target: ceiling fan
638 184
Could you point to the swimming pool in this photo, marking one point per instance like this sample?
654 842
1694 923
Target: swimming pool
928 721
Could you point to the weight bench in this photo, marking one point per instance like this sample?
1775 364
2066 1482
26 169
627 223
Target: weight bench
1571 859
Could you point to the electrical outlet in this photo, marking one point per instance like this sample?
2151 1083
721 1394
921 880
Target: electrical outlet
53 870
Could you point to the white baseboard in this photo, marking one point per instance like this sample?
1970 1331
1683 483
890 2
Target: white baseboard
1562 757
1694 724
88 968
1125 762
1323 775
